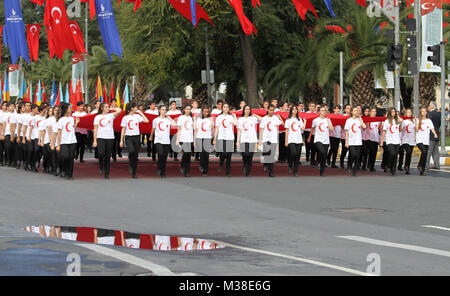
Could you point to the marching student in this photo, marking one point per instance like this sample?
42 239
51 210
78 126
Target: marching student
161 135
21 108
224 137
66 140
8 133
321 127
268 137
203 132
44 140
365 146
247 137
423 127
218 109
130 134
373 138
31 136
81 133
344 149
151 150
294 140
56 159
335 140
391 133
173 111
104 137
117 150
195 111
310 146
185 138
407 142
353 139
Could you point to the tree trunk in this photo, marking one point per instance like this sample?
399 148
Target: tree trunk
250 70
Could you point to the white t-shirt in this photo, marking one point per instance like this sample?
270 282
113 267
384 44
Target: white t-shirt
204 128
353 126
216 111
7 120
408 135
392 135
131 124
66 125
26 117
248 129
105 125
270 128
36 124
152 112
423 134
82 131
186 124
294 126
162 130
173 112
321 131
196 112
373 133
48 122
336 133
225 123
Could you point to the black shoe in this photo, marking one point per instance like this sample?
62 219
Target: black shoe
115 159
82 161
182 171
363 168
271 175
342 166
69 178
154 158
400 169
204 175
201 168
100 172
120 155
163 176
407 172
373 170
107 177
322 172
354 173
328 162
244 170
220 169
265 168
187 175
134 177
334 166
159 172
307 158
290 170
295 175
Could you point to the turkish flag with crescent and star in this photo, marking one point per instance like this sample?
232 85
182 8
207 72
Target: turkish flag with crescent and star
56 17
33 31
184 8
303 6
246 24
77 37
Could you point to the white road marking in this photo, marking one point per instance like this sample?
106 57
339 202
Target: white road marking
145 264
304 260
436 227
397 245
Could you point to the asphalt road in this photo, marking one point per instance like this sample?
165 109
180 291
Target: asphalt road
270 226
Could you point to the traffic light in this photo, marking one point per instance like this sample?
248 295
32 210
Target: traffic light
435 58
395 55
411 54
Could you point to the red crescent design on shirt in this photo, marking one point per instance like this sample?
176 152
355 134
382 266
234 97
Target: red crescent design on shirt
185 125
370 127
129 125
159 126
37 123
203 245
390 129
186 245
407 130
353 125
9 119
223 123
268 126
30 123
67 127
421 129
320 127
203 128
292 127
243 126
100 122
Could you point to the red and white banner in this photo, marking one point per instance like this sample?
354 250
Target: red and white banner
33 31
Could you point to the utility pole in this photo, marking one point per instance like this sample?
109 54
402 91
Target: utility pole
208 78
341 79
416 90
443 88
397 66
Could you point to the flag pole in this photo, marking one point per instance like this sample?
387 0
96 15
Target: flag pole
86 93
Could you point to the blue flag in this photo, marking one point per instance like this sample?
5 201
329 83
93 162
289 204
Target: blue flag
53 95
23 87
193 13
15 31
330 7
67 96
108 27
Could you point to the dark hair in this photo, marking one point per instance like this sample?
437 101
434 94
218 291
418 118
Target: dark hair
243 110
42 108
64 109
219 102
33 106
184 107
129 107
100 108
19 107
203 108
389 116
79 104
290 112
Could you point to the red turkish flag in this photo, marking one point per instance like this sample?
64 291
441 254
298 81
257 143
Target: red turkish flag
38 2
77 37
56 18
429 5
303 6
78 95
91 7
184 8
361 2
254 2
246 24
33 31
137 3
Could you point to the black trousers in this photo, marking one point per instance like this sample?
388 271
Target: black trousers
132 143
344 151
46 158
186 158
405 149
204 154
373 149
67 157
247 152
10 149
391 157
334 148
322 150
364 154
81 144
385 156
294 156
151 149
311 152
354 157
2 151
226 147
104 149
116 150
163 152
171 152
423 156
89 140
37 154
56 160
283 153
